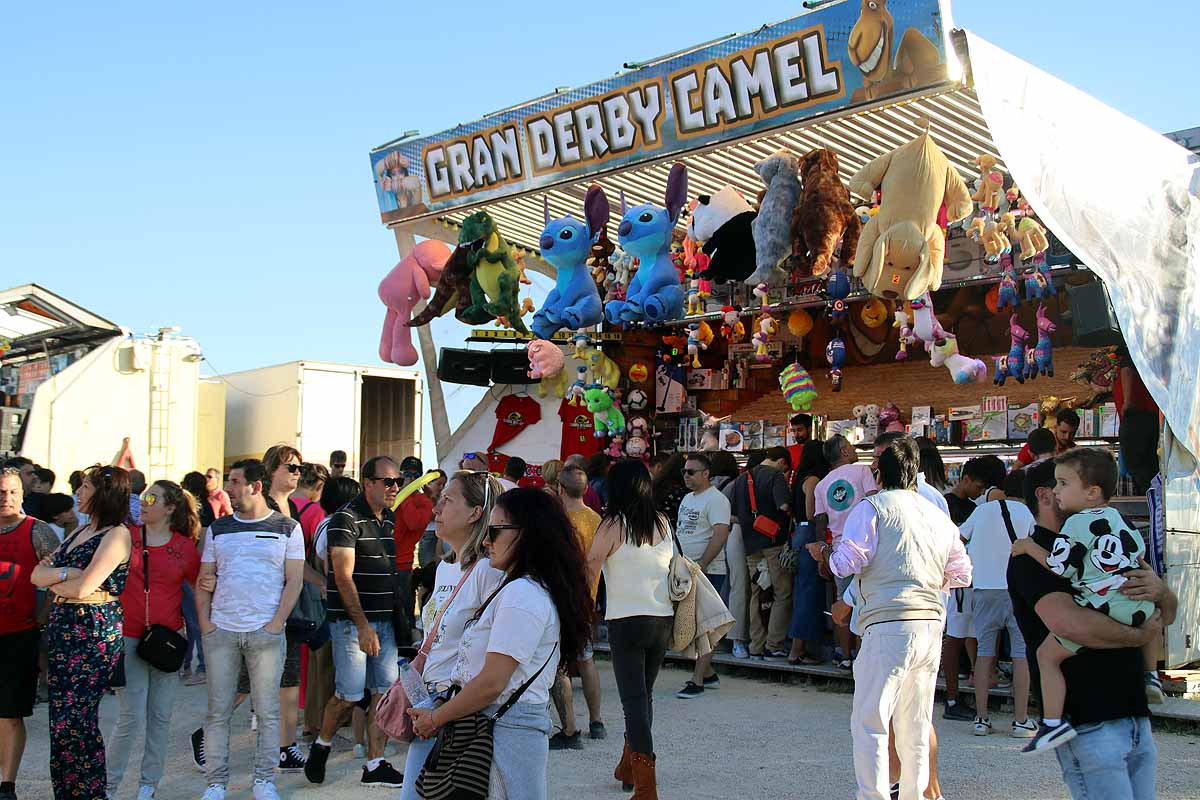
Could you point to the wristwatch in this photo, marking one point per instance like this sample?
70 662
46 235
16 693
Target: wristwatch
62 574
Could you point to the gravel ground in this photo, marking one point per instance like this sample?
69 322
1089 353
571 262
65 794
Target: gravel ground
752 738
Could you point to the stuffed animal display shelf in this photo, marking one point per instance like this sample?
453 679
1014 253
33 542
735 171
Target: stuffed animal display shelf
566 243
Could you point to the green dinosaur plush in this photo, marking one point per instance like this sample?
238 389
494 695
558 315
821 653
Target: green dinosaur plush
607 418
495 276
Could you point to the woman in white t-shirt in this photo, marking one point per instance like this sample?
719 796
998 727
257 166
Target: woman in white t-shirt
461 516
539 618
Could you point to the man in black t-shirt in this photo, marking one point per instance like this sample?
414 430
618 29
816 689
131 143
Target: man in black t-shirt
1114 753
362 564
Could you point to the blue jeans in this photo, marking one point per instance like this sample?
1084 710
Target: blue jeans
263 655
1111 760
354 672
192 623
418 751
522 751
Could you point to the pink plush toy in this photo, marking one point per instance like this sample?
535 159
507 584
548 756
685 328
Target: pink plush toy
545 359
400 290
889 418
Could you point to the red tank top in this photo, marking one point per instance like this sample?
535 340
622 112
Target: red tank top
18 596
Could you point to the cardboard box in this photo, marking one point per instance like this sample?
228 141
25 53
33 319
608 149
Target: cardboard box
922 415
1022 420
731 439
706 379
995 418
1087 424
1110 423
957 413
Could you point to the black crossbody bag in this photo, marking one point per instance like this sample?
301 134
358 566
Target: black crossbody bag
160 647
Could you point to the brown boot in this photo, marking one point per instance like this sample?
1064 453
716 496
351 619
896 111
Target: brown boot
644 781
624 770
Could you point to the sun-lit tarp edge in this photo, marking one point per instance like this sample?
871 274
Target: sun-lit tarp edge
1118 194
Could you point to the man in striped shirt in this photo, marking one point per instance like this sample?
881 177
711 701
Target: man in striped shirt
362 564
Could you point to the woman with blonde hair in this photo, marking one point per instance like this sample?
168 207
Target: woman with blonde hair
550 471
163 560
465 579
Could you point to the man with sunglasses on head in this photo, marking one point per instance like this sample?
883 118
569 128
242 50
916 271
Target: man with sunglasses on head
362 593
702 528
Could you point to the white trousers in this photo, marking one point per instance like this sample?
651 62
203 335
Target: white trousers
739 584
895 676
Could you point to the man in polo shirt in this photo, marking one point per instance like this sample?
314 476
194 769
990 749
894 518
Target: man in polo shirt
1114 753
24 541
253 567
362 561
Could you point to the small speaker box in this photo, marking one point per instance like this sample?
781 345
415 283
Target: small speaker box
472 367
1092 319
511 367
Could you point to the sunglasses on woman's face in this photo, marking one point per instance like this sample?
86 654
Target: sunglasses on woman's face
494 530
293 468
148 499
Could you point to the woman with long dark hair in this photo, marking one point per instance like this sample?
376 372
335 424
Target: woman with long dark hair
633 547
808 590
86 575
539 618
933 469
195 484
167 541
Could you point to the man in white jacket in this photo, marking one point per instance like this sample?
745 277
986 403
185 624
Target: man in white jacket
905 555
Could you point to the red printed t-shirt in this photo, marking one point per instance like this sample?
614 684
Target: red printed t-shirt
170 565
412 518
514 414
310 518
578 431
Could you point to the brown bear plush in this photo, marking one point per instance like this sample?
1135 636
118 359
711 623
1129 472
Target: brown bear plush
823 216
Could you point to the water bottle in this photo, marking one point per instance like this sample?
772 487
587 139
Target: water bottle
414 687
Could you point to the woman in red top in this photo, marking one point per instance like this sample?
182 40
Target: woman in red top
412 518
170 529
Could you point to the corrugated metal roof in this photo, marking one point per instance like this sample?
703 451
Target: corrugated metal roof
955 122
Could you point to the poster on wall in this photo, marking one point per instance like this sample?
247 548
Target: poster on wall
816 63
669 387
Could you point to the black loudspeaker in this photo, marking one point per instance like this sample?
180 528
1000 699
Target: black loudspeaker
511 366
472 367
1092 319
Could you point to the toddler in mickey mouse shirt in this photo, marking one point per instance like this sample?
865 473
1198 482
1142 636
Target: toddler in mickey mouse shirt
1094 550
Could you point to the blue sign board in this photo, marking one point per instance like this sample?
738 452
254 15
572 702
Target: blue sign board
843 55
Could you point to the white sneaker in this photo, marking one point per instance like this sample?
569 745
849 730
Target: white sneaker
1024 730
214 792
264 790
983 726
740 650
146 793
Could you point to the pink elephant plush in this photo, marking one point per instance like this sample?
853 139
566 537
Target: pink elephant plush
400 290
545 359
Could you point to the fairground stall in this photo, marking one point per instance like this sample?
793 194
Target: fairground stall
861 213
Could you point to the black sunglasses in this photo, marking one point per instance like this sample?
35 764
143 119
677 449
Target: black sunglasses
492 530
693 471
294 468
388 483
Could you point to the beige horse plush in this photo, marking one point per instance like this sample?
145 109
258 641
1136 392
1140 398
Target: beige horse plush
902 248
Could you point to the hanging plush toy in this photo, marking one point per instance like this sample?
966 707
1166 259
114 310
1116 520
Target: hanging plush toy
761 294
732 329
1038 285
566 244
835 354
765 328
654 294
991 185
1016 352
773 226
902 248
963 370
694 345
1002 373
797 386
990 234
906 337
889 418
599 262
545 359
722 224
695 304
575 395
823 216
836 291
1043 363
603 369
623 268
580 341
1008 290
800 323
1033 240
926 328
401 289
607 418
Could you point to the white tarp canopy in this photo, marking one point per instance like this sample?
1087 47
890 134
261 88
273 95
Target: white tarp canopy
1124 199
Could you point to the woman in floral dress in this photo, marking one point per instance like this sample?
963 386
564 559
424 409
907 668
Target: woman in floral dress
86 576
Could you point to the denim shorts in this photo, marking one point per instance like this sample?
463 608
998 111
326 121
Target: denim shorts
993 612
354 671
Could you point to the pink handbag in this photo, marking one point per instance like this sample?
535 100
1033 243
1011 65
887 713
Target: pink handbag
391 715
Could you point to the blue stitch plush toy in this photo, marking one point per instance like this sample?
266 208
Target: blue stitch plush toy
654 295
566 243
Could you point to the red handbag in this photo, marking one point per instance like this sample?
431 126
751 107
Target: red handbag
762 524
391 715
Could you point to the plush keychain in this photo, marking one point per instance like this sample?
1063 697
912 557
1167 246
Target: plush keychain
1008 290
836 291
765 328
1001 363
797 386
607 418
732 329
694 344
906 334
575 395
835 353
991 183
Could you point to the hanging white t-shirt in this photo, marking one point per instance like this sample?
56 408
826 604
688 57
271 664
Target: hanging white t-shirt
698 513
988 544
480 584
521 622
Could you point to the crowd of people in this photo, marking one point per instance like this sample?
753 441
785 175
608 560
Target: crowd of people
282 572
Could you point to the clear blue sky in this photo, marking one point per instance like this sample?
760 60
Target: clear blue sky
205 164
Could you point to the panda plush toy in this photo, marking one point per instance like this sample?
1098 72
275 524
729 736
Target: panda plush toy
722 222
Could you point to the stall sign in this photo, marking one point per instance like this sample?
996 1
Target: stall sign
826 60
31 375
